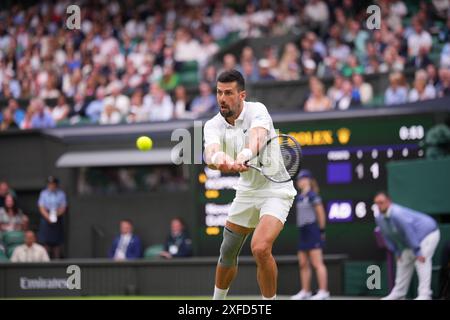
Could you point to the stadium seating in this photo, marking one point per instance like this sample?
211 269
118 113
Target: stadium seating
153 251
11 240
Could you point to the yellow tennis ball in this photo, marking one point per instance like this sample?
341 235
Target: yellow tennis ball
144 143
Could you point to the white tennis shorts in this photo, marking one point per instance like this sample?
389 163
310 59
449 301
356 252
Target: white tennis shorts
247 211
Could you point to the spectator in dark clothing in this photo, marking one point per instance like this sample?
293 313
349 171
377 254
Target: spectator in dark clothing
127 245
78 110
421 61
178 243
4 191
8 122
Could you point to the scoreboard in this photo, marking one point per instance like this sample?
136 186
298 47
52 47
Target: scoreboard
348 158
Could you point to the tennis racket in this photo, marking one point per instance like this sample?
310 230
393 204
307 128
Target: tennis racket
279 160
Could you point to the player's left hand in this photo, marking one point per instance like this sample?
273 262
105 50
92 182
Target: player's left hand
420 259
240 167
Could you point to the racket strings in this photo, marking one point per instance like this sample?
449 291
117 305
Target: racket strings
281 159
291 156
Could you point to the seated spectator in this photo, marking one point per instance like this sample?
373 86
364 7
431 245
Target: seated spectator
138 112
317 15
248 55
95 107
42 118
110 115
309 55
335 92
349 97
159 104
132 79
208 49
433 76
52 205
50 91
421 90
445 56
127 245
118 100
397 92
16 111
11 217
364 89
444 34
421 60
264 71
4 191
182 104
318 101
418 38
210 75
205 102
61 110
178 243
288 68
229 63
371 59
337 48
8 122
186 47
78 111
270 55
249 72
170 79
330 68
30 251
26 122
444 88
392 60
352 67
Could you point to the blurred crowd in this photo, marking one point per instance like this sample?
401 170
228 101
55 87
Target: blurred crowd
127 62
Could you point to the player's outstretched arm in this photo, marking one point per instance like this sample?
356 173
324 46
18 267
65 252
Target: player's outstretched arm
219 160
257 140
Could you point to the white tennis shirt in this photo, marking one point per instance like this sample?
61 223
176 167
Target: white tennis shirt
232 139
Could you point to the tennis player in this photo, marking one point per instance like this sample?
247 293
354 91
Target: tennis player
232 137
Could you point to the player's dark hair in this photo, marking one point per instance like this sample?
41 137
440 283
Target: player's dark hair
382 193
232 76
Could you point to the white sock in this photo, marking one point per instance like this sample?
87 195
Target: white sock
273 298
220 294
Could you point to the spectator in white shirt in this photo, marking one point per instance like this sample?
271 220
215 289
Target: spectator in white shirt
159 103
186 48
30 251
419 38
316 12
110 115
138 111
421 90
118 100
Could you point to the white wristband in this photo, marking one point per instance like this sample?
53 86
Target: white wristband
214 157
246 153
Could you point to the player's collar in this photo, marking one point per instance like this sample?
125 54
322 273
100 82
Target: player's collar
241 116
